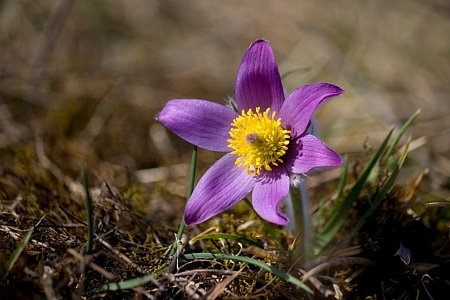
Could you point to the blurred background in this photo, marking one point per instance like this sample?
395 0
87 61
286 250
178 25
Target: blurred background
83 80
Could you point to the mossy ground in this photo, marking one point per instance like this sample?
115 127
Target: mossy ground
131 241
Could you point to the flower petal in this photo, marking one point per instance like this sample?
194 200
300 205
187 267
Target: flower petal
258 82
202 123
299 107
268 193
222 186
308 152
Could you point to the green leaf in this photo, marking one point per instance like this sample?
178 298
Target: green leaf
277 272
15 255
125 285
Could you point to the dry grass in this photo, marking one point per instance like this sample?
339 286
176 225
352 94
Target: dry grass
81 82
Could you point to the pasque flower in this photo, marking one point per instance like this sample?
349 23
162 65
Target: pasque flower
266 140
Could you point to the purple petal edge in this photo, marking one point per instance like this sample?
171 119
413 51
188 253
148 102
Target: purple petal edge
222 186
202 123
270 189
301 104
258 82
308 152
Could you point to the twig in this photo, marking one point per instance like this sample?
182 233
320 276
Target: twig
189 287
47 163
82 223
47 283
218 289
45 245
10 232
73 186
425 287
264 287
173 267
121 256
321 287
339 261
87 260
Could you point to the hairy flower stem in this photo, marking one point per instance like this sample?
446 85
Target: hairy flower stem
298 205
190 190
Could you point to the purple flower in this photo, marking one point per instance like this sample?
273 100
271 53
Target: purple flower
266 142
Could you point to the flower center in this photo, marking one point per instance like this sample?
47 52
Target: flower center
259 140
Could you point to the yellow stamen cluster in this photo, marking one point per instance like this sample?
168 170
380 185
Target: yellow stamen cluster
259 140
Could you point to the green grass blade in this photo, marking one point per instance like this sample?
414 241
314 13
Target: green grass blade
125 285
386 188
277 272
343 181
227 236
339 214
400 134
89 213
190 190
15 255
